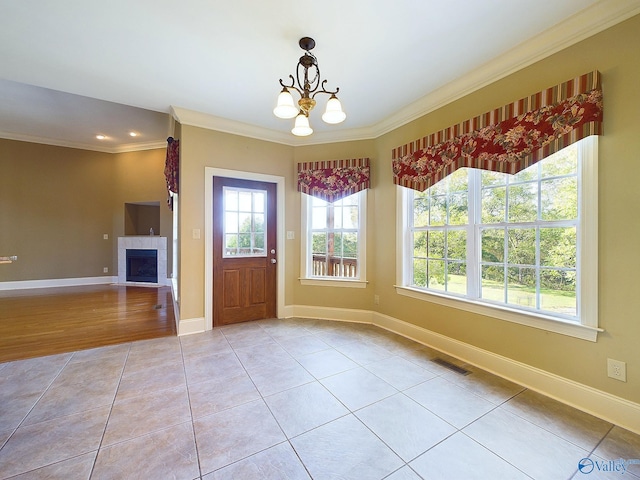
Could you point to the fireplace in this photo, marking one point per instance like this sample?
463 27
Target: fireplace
142 265
143 243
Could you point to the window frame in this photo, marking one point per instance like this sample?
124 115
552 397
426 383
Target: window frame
306 277
586 327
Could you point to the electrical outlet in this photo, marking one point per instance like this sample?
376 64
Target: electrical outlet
376 299
105 236
617 369
105 270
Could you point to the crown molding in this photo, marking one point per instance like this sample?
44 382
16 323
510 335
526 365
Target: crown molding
132 147
576 28
584 24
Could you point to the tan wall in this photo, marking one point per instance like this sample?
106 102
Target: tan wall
200 148
358 298
613 52
56 203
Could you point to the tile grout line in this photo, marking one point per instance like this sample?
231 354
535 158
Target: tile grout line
106 424
193 425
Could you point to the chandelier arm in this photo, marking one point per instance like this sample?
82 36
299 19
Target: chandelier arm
293 85
328 92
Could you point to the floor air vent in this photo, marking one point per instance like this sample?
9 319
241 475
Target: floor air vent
451 366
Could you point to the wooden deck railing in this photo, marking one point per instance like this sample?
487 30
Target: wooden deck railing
335 267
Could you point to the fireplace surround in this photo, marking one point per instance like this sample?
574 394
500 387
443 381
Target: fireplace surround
142 249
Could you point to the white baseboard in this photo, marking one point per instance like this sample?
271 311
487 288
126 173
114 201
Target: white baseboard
57 282
611 408
331 313
188 326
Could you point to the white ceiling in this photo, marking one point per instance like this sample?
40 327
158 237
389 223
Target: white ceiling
71 69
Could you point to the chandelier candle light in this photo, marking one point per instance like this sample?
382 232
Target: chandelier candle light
308 88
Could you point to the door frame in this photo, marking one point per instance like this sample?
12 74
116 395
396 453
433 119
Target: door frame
209 173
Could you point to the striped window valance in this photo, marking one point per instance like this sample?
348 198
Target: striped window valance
332 180
507 139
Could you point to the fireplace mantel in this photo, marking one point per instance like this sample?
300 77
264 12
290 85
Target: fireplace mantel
142 243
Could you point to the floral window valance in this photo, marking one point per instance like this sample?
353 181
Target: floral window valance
507 139
332 180
172 168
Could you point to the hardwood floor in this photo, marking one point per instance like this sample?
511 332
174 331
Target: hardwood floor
47 321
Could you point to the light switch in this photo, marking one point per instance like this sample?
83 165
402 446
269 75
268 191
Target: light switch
291 235
105 236
196 233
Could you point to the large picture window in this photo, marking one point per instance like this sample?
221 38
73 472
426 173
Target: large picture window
524 244
334 245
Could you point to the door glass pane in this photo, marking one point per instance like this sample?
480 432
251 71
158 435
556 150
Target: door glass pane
245 229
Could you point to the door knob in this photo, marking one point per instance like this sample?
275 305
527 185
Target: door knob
273 260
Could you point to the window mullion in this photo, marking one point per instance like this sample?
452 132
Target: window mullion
474 193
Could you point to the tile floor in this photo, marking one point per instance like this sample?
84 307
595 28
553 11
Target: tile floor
289 399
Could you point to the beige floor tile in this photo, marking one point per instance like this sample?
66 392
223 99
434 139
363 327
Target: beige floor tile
363 352
15 407
219 394
460 457
210 345
77 468
265 354
231 435
345 449
168 453
136 416
275 463
152 379
533 450
449 401
405 426
302 345
91 372
120 351
326 363
490 387
358 388
405 473
399 372
28 377
270 379
578 427
39 445
305 407
212 367
67 399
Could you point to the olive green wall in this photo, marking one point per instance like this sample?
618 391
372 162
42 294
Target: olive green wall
56 204
614 53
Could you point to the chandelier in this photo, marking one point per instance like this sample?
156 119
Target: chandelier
308 86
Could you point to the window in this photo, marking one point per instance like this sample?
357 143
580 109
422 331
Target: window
334 243
523 245
244 222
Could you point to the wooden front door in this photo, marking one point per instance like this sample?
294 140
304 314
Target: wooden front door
244 250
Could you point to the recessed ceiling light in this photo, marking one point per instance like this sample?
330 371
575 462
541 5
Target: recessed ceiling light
133 134
100 137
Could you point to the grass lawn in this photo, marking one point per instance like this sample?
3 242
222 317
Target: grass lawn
558 301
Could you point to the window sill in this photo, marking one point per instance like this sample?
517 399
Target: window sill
542 322
332 282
